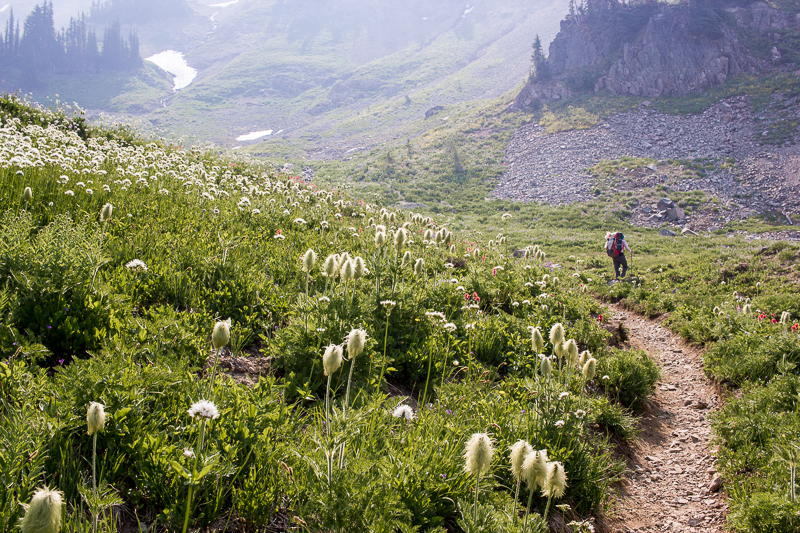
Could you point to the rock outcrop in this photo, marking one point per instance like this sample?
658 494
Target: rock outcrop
653 50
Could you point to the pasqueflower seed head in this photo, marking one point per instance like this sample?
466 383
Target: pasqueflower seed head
519 450
43 514
478 454
95 418
332 359
221 334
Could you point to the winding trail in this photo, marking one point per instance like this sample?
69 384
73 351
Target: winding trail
670 483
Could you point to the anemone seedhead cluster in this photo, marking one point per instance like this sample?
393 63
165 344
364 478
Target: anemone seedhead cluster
519 451
221 334
556 481
403 411
43 514
355 342
95 418
478 454
332 359
557 334
309 260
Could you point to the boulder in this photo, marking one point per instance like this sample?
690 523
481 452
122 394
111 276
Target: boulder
433 111
665 203
667 233
675 213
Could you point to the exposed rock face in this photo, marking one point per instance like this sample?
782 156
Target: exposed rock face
659 50
668 60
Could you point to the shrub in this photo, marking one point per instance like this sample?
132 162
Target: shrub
632 376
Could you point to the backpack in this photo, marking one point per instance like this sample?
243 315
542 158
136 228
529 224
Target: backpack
614 244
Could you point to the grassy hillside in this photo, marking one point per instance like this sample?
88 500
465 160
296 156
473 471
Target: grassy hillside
118 308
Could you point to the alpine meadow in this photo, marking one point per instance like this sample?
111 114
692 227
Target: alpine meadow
421 333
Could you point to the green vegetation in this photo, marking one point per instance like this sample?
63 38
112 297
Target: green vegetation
117 307
741 301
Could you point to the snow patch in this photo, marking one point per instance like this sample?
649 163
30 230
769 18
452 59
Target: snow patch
174 63
225 4
4 7
252 136
467 10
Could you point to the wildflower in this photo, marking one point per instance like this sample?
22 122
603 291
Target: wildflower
360 267
324 299
348 271
419 265
278 236
95 418
450 327
560 424
43 514
580 413
515 304
332 359
407 257
105 214
536 339
388 304
309 260
505 216
547 367
204 409
571 351
498 268
403 411
136 264
380 238
605 378
355 342
27 194
89 192
69 193
563 395
329 266
589 369
189 454
556 482
478 454
796 327
557 334
519 451
400 237
534 469
221 334
299 221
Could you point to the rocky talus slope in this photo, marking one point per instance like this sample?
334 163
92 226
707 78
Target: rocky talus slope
671 483
750 177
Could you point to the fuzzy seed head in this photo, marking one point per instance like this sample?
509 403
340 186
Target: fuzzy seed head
589 369
478 454
407 258
309 260
105 214
418 266
332 359
585 356
428 235
519 451
571 351
360 268
43 514
556 482
27 194
400 238
557 334
537 340
348 271
221 334
534 469
747 310
547 367
355 342
329 266
380 238
95 418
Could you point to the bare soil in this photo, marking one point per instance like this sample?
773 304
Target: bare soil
670 481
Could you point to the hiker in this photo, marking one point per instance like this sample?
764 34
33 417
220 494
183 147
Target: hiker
615 248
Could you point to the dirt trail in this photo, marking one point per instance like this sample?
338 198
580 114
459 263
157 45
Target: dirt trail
668 486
